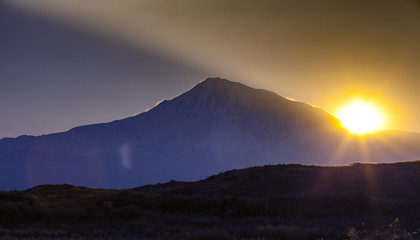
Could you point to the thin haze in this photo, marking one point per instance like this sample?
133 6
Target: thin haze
321 52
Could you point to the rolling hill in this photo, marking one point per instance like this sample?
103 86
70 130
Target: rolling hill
284 201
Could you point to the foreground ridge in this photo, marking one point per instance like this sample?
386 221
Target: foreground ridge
276 201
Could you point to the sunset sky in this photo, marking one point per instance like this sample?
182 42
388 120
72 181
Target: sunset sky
74 62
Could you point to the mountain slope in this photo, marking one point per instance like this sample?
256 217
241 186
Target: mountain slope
216 126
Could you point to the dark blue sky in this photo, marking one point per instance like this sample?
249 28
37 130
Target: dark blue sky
69 63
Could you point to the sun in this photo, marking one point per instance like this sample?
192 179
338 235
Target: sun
361 117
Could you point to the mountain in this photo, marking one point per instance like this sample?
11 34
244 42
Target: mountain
216 126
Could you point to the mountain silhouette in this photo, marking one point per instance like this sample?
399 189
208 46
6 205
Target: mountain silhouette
216 126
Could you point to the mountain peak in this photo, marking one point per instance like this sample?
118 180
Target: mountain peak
218 98
215 94
213 83
222 88
215 80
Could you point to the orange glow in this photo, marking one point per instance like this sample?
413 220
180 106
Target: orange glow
361 117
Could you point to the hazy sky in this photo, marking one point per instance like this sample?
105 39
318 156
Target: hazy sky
72 62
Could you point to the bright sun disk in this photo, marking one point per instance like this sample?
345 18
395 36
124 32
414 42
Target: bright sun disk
361 117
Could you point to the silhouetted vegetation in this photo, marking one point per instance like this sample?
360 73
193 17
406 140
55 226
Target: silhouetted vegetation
361 201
